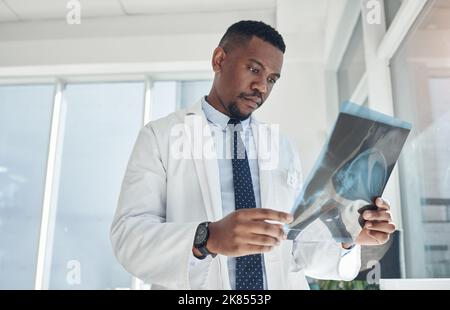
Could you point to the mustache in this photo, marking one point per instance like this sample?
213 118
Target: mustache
256 94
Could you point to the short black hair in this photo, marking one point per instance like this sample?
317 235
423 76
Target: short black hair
241 32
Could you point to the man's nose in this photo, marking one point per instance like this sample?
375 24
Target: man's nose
260 85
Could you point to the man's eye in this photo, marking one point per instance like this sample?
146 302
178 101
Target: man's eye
272 81
254 70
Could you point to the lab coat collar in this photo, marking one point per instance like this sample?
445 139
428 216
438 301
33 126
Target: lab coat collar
218 118
197 109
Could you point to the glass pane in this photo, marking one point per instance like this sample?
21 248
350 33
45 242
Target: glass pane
101 125
190 92
25 120
421 85
353 65
391 8
171 95
164 99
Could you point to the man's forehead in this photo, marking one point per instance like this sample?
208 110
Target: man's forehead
264 53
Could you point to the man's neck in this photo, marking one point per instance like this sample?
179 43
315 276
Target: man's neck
216 103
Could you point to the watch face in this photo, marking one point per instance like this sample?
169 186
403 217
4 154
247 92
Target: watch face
201 234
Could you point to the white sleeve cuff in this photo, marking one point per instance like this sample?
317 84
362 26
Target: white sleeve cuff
198 271
350 263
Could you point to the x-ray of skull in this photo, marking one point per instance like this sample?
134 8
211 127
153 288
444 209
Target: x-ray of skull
352 170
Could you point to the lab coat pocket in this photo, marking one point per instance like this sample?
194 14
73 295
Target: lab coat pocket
284 189
293 178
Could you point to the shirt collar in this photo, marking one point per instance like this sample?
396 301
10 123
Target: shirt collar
218 118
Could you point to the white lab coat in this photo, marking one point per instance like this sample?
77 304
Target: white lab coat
163 199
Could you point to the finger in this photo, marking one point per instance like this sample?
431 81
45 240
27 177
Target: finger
254 239
269 214
382 215
383 203
256 249
272 230
379 236
381 226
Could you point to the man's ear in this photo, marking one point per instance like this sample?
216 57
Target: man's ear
218 58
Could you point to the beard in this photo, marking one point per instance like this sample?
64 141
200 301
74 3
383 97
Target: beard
235 113
233 107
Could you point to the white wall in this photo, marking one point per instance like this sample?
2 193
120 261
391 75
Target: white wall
132 39
297 101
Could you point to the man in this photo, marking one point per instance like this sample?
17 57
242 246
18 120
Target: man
193 221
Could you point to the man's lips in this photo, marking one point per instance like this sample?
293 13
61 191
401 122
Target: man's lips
255 102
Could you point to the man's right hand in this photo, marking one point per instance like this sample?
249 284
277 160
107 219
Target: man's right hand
246 231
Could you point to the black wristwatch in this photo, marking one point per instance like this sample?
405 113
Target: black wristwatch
201 237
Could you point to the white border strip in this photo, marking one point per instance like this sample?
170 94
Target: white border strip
415 284
399 28
41 277
93 78
104 69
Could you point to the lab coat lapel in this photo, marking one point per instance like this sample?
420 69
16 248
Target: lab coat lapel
206 164
207 169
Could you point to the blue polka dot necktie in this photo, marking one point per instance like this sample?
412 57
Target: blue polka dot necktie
249 272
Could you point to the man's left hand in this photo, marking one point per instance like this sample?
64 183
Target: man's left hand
378 224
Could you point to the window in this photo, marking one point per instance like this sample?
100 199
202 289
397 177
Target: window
421 87
171 95
101 125
25 118
391 8
189 92
353 65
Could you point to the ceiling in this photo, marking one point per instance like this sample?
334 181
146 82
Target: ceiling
27 10
31 10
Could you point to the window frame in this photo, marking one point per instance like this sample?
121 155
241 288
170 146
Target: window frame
380 48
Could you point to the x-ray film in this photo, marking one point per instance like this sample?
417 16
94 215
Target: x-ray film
351 171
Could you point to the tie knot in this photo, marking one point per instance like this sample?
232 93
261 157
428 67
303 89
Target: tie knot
234 121
237 125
